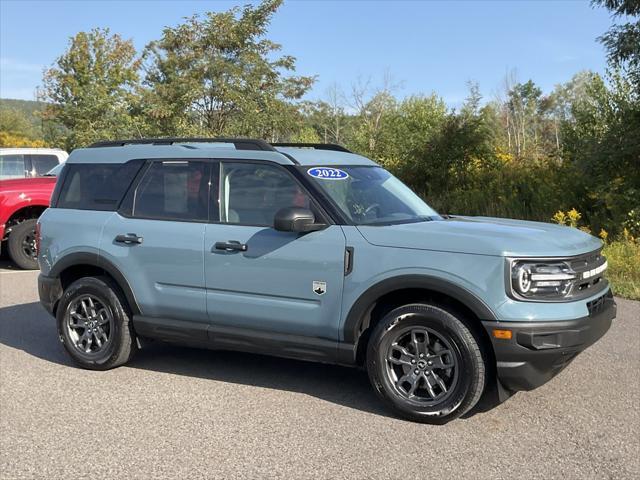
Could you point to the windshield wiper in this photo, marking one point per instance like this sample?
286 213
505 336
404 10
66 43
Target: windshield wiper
404 221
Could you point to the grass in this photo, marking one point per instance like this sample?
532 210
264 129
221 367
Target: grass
624 267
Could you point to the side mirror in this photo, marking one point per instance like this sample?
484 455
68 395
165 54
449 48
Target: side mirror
296 219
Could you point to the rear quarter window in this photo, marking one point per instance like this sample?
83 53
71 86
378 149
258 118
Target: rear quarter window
12 166
96 186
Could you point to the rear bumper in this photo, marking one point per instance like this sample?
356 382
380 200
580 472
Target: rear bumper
538 351
50 291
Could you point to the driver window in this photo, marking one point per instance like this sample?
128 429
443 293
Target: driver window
252 193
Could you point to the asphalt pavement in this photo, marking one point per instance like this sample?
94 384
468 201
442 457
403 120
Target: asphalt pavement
185 413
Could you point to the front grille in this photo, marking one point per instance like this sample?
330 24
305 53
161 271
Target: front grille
584 266
597 305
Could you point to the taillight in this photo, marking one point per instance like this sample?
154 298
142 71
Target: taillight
37 238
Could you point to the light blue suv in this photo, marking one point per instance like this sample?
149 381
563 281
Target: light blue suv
309 251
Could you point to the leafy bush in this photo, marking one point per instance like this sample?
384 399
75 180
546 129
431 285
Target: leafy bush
622 254
624 267
632 223
11 140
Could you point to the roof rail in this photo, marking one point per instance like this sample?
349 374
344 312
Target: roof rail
239 143
317 146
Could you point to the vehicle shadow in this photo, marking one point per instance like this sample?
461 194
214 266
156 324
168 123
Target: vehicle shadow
29 328
7 264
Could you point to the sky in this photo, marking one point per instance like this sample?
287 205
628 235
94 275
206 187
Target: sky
425 46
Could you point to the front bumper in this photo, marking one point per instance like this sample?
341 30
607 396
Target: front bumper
538 351
50 291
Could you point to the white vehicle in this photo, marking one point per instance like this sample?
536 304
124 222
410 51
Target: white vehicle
29 162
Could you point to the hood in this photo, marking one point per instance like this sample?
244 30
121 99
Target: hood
485 236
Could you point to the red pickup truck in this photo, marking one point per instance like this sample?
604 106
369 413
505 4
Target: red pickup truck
22 201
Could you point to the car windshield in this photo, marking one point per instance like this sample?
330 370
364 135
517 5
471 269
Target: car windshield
55 171
371 195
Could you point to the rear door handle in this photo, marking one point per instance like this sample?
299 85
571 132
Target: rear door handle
230 245
128 238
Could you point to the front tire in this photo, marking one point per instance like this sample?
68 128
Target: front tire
94 324
22 245
425 364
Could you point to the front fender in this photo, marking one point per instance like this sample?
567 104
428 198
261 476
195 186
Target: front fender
454 288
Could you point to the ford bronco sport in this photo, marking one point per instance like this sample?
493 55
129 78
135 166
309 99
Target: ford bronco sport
311 252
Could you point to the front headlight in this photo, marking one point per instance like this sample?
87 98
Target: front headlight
541 279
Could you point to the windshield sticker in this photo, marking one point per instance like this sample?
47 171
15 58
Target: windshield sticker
328 173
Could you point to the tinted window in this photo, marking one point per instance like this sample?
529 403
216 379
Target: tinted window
173 190
96 186
41 164
253 193
11 166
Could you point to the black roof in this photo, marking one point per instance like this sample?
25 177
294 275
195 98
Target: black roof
239 143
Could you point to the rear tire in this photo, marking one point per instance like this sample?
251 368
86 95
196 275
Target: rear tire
94 324
425 364
21 245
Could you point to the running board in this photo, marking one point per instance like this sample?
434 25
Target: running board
219 337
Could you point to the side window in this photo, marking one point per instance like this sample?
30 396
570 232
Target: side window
41 164
252 193
96 186
12 166
174 190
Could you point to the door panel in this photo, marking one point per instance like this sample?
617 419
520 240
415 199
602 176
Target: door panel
270 286
165 271
158 242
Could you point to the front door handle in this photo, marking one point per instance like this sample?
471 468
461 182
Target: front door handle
128 238
231 245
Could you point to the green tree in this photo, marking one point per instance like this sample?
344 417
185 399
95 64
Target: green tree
408 132
374 107
328 117
561 100
218 74
306 134
602 147
91 89
623 41
523 106
16 130
15 122
373 116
